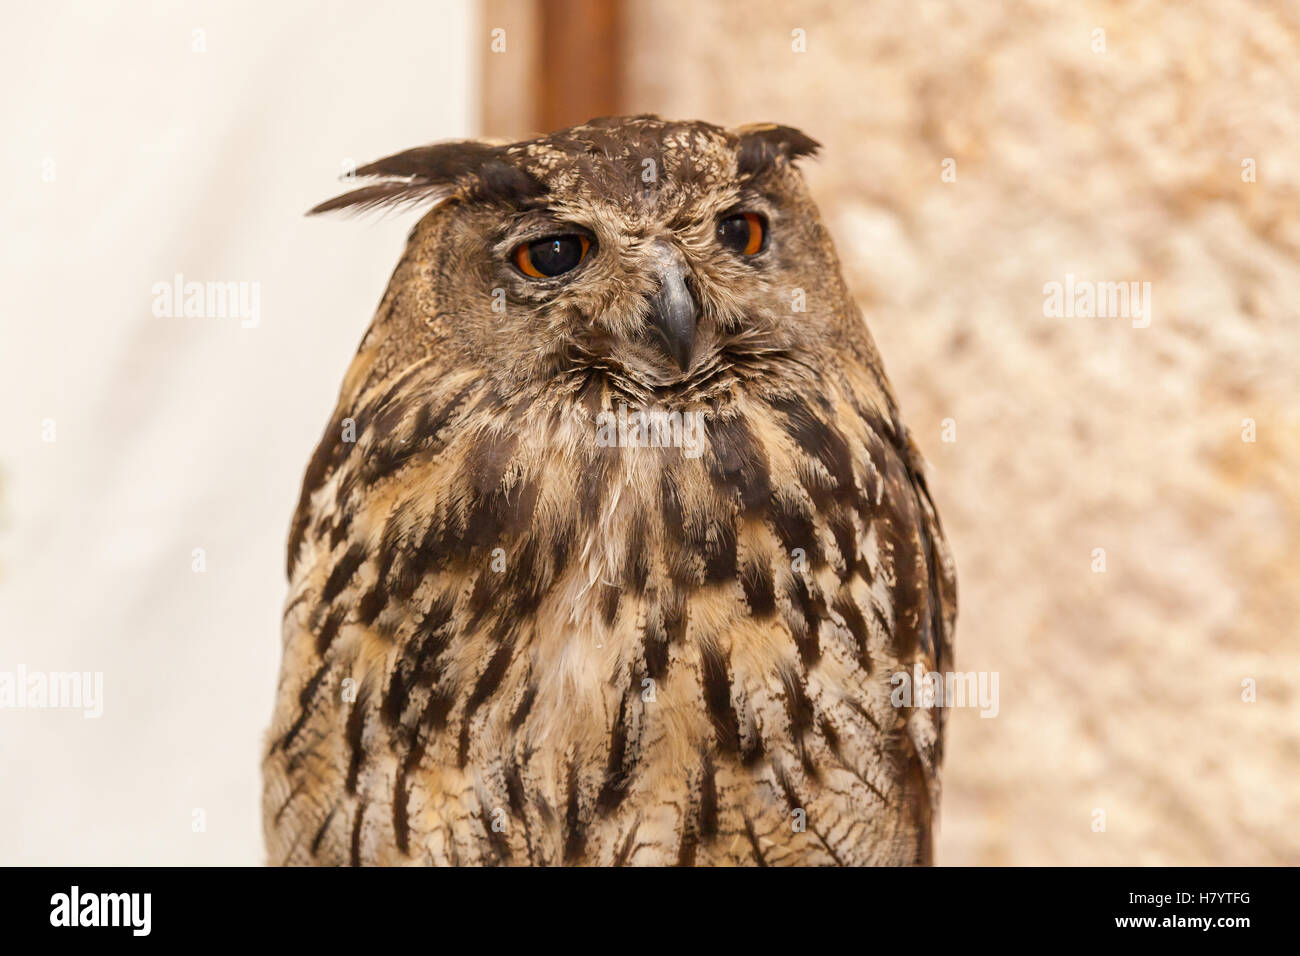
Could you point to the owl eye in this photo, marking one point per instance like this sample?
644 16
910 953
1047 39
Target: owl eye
745 233
552 256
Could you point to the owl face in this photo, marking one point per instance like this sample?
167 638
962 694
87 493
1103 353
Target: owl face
654 254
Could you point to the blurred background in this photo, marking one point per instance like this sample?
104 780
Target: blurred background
972 155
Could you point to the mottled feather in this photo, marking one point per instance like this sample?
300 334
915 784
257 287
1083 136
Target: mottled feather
507 642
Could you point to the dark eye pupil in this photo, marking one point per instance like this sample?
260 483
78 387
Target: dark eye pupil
553 256
734 232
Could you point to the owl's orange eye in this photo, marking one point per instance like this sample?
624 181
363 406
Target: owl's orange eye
552 256
744 232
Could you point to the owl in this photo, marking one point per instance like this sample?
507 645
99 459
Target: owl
615 550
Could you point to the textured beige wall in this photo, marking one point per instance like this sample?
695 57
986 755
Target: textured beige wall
1121 690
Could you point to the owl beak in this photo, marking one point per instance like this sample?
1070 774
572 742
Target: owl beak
674 313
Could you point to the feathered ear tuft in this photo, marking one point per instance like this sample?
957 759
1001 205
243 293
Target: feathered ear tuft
465 168
762 143
393 194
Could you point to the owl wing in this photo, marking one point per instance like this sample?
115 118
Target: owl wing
846 589
358 640
935 610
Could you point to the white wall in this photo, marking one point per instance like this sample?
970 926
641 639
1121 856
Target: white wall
171 433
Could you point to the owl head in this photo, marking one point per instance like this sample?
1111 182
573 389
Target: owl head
667 259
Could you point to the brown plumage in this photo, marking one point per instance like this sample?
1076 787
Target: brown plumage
517 634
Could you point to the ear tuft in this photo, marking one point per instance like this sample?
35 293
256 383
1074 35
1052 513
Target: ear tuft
393 194
467 168
761 144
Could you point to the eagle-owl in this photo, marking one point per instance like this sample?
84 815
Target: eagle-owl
615 542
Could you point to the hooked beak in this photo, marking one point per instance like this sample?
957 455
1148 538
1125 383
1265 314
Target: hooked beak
674 313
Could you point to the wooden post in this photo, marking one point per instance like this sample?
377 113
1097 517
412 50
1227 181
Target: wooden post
580 61
562 64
